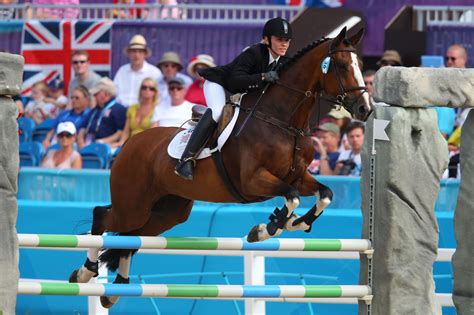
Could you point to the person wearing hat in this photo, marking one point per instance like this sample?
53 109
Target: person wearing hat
326 146
170 65
390 58
129 76
252 70
180 110
104 123
56 94
65 156
195 92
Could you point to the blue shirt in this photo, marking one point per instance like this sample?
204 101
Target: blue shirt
70 115
332 159
104 121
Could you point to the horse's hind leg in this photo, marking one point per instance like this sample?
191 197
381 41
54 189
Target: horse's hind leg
169 211
266 184
309 187
91 266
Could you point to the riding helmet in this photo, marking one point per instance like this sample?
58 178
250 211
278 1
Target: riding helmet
277 27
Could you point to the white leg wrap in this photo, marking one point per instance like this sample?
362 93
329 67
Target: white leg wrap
93 254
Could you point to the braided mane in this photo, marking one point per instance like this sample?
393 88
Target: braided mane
302 52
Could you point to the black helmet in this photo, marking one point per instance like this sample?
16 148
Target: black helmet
277 27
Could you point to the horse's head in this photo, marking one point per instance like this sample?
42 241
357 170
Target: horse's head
342 78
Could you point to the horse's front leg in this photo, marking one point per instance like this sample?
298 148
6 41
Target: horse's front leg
308 187
264 183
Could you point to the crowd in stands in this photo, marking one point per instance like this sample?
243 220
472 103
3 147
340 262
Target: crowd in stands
106 112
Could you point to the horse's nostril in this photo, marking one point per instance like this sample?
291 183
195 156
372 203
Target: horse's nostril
363 110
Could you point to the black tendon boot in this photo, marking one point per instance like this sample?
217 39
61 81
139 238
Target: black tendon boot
201 133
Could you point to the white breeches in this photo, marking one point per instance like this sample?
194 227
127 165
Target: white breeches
215 98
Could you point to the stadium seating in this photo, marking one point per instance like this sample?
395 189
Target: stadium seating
95 155
26 125
42 130
113 156
30 153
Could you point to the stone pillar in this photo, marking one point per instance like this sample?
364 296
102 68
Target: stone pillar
408 170
463 259
11 70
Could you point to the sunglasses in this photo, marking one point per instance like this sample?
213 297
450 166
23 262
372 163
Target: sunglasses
145 87
65 135
172 88
76 62
447 58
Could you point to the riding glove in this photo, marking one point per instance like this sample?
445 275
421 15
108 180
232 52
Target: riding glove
270 76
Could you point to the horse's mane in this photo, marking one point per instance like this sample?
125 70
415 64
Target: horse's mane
301 53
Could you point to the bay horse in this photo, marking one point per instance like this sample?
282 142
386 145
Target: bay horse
269 158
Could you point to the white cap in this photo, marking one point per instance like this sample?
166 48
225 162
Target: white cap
66 126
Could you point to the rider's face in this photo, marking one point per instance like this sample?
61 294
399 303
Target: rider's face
279 46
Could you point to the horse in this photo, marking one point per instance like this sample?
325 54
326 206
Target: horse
269 158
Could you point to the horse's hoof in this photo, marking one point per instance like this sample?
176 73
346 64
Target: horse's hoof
107 302
292 224
73 276
252 237
259 233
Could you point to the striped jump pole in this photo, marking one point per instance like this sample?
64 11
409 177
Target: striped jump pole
190 243
195 290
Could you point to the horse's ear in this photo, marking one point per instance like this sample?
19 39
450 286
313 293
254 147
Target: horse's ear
339 38
355 39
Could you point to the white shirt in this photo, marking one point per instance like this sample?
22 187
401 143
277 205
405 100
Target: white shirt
128 82
348 155
172 116
163 87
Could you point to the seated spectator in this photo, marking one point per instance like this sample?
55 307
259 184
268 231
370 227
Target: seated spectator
342 118
195 93
54 13
139 115
56 95
82 74
164 13
180 110
390 58
122 13
170 65
325 144
65 156
129 76
349 161
37 108
80 101
369 76
104 123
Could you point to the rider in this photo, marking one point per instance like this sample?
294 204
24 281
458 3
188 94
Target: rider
250 71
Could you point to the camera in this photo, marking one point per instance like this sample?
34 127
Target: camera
347 167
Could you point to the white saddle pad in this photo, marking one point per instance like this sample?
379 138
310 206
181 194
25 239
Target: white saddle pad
178 144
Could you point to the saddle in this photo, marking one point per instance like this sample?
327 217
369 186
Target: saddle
225 126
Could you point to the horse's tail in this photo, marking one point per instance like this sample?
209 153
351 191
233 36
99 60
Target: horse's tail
111 257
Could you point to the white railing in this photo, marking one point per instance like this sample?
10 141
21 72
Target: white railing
424 15
200 13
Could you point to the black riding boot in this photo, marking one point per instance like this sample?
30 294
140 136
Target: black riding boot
201 133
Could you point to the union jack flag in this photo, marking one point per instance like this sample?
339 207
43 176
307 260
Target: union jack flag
47 48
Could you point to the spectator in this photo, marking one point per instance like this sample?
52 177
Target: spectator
349 162
104 123
80 101
390 58
195 93
129 76
38 109
65 156
456 57
341 117
56 95
165 13
139 115
180 110
131 13
6 11
325 144
70 13
170 65
82 74
369 76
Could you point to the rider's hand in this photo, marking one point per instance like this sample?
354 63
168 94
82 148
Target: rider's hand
270 76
